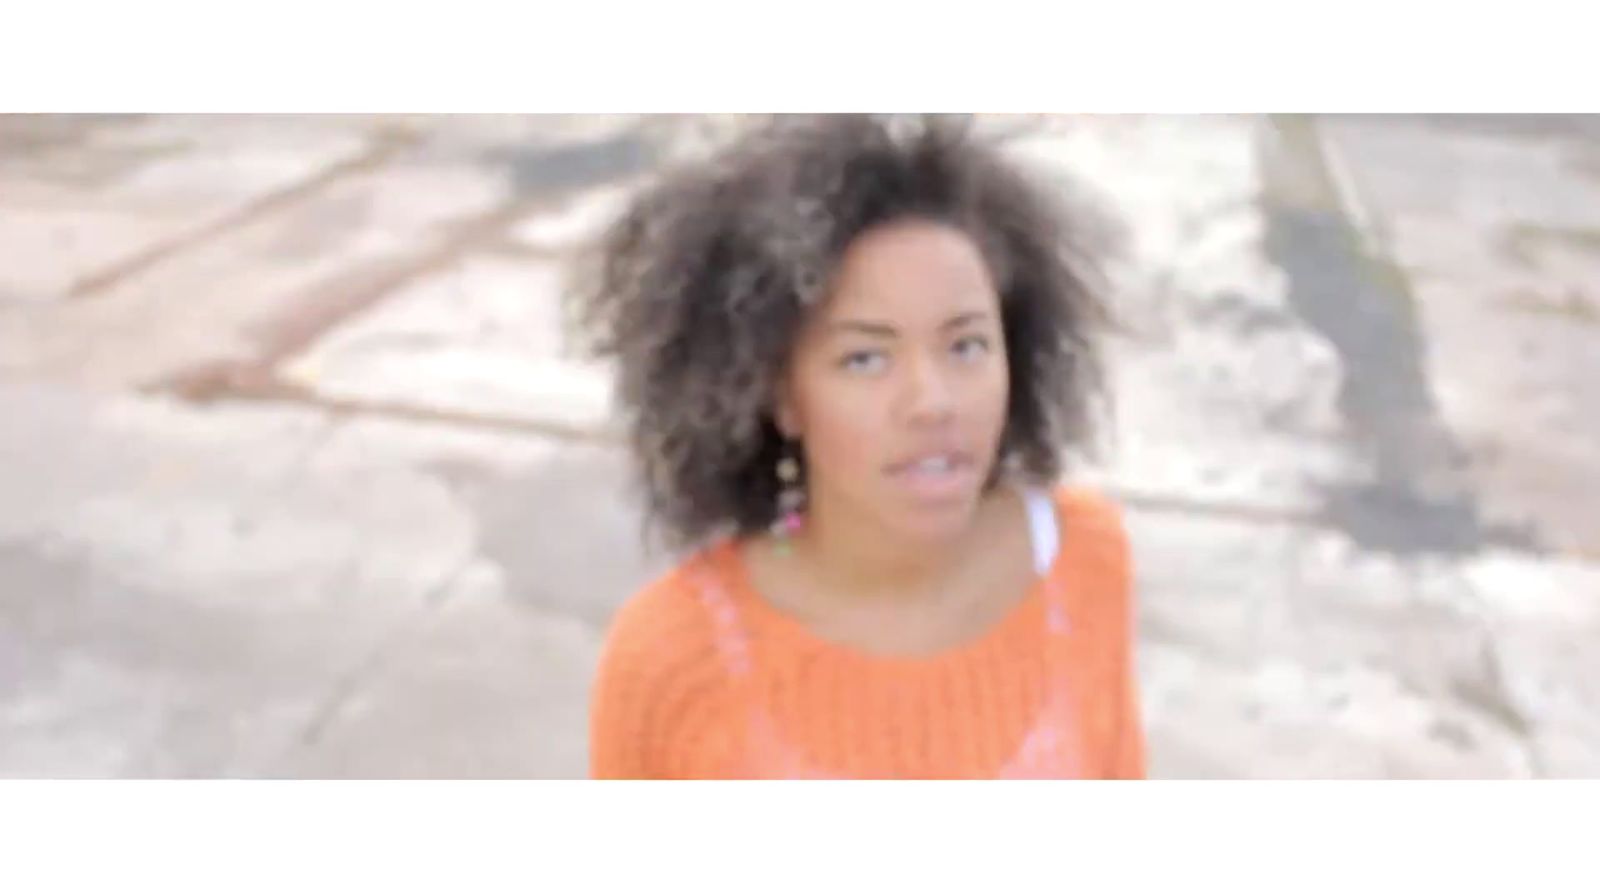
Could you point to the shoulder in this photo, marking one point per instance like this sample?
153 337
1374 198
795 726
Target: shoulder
659 672
1086 505
662 624
1089 515
1094 535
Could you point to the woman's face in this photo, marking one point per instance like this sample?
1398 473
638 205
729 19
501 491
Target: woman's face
898 385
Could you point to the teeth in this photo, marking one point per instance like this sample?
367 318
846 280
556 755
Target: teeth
934 465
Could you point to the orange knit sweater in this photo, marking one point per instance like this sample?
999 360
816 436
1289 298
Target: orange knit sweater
701 678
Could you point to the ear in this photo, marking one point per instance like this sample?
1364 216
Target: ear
784 414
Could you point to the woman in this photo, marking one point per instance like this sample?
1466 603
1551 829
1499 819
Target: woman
850 356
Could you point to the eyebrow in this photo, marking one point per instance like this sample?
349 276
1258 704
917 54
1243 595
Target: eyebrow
885 330
962 319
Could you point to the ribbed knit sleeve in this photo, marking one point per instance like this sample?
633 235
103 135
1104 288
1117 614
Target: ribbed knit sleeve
1101 562
1127 740
659 687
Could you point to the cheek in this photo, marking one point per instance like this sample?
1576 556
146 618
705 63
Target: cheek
843 428
989 393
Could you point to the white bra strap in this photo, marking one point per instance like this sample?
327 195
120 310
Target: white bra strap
1042 526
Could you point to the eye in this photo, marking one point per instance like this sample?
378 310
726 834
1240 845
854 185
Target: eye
863 361
970 347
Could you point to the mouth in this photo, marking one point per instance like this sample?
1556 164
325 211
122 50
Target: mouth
934 475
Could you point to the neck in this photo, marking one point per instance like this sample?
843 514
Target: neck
855 554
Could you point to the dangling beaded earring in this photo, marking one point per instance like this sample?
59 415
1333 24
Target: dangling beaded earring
790 498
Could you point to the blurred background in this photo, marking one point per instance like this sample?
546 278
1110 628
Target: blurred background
300 477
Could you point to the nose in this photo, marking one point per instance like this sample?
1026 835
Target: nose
928 391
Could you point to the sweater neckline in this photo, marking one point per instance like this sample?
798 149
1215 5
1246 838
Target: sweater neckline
780 628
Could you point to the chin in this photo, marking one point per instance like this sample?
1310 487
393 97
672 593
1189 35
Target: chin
938 522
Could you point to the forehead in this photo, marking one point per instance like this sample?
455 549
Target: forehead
908 270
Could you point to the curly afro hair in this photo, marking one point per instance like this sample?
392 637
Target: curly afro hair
698 291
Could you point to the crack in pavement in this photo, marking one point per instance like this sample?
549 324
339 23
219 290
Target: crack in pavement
346 685
251 385
389 143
